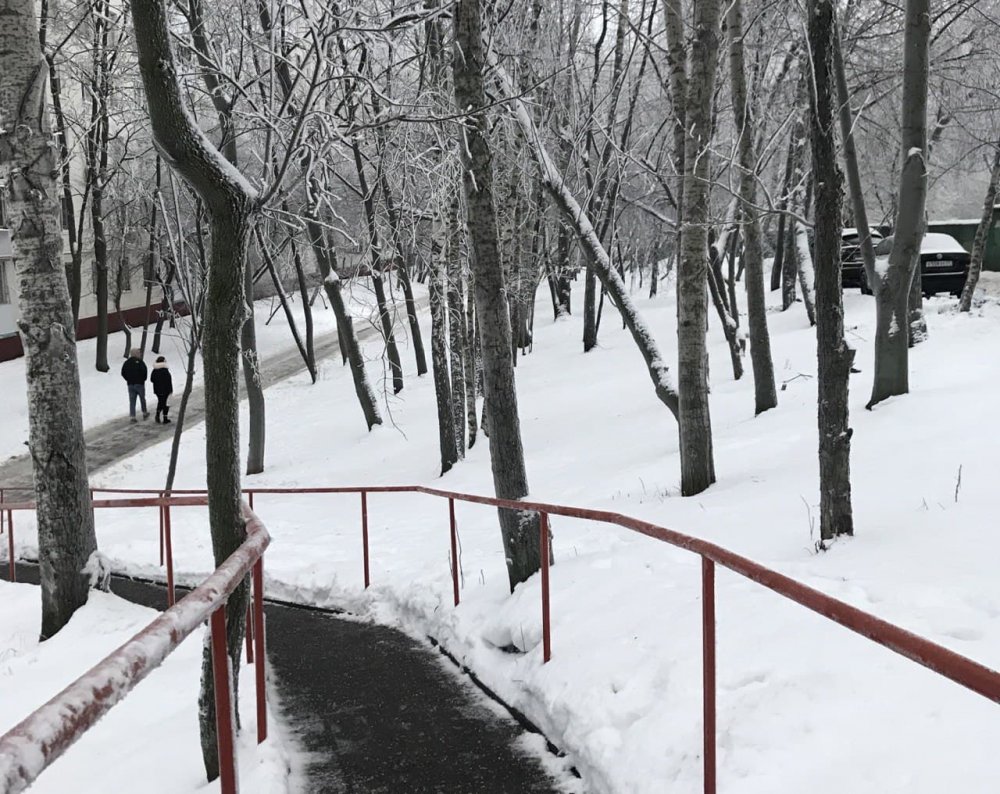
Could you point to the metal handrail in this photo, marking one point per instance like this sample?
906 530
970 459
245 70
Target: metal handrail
38 740
962 670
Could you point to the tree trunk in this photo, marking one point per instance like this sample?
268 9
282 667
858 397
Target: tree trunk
472 367
892 289
65 519
835 357
345 327
697 460
752 261
448 442
982 232
456 325
850 153
283 300
231 203
520 529
403 274
300 276
806 270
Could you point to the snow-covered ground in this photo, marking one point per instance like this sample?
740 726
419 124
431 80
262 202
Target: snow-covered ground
803 704
150 736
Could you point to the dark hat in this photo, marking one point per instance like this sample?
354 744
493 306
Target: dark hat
160 360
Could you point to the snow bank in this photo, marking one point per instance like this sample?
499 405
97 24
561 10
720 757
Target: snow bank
152 735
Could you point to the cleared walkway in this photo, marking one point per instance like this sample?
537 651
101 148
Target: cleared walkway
376 711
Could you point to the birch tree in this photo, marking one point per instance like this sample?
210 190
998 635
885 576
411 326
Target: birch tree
28 167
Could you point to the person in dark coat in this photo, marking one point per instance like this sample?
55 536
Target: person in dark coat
134 372
163 387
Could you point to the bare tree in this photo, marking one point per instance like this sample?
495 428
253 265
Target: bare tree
982 231
892 288
835 356
520 529
231 202
66 536
765 395
697 459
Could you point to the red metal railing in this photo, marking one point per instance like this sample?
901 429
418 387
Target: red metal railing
964 671
38 740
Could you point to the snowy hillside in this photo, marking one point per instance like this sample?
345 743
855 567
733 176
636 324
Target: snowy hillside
803 704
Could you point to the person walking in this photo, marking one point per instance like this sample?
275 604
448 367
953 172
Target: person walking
134 372
163 387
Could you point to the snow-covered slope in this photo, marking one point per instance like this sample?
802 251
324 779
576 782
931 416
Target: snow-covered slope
803 704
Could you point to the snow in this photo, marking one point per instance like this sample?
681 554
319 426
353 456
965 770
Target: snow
152 735
803 704
937 243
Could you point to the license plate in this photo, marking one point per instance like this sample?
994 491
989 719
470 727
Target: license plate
940 263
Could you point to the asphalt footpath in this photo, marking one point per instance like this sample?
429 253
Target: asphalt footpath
376 711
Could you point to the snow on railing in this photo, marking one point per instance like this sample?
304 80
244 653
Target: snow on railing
964 671
32 745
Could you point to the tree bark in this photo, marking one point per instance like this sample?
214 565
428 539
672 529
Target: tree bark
752 261
835 357
65 517
982 232
520 529
456 326
697 460
231 204
447 440
892 289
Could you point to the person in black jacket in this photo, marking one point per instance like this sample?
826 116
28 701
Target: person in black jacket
134 372
163 387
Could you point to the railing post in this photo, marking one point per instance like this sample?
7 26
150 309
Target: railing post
249 635
364 535
10 545
250 499
162 494
223 703
258 638
543 540
454 549
708 668
168 543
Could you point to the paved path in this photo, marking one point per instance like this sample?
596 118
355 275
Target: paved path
377 712
115 439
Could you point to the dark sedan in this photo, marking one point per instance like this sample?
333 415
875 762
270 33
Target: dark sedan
851 264
944 263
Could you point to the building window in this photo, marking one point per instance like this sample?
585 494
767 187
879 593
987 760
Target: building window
3 208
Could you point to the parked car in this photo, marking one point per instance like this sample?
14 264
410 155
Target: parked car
852 266
944 264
